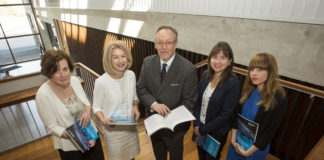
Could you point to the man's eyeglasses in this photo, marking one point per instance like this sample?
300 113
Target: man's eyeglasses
165 43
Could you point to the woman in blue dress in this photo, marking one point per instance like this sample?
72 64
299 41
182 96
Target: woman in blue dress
263 101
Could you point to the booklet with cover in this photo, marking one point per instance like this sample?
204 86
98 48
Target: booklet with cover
122 115
123 121
246 132
81 136
207 143
178 115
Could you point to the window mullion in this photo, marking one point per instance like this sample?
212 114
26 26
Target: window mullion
4 35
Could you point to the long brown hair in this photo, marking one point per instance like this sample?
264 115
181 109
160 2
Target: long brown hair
264 61
228 53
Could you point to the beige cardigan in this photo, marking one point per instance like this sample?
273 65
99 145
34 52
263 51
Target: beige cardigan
54 114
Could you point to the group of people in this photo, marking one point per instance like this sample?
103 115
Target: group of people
167 80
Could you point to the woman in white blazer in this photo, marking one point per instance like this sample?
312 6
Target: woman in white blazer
115 95
61 102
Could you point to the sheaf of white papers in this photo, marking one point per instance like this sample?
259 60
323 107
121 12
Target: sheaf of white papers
178 115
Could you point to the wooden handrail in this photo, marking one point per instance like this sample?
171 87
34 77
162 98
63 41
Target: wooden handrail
93 73
19 77
28 94
23 95
18 97
201 63
288 84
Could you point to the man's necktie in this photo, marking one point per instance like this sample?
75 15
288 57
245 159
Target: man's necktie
163 72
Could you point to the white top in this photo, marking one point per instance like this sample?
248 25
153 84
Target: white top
107 93
205 100
121 141
55 115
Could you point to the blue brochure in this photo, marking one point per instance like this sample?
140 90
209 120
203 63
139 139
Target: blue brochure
123 121
246 132
207 143
81 136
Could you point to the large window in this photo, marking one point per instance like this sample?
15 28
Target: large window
19 37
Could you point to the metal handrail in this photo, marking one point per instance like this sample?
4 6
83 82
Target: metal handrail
93 73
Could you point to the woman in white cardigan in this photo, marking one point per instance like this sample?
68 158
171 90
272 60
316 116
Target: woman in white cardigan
115 95
61 102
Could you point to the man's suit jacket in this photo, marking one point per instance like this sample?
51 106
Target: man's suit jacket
178 88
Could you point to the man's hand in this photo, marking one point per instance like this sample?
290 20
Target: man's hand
161 109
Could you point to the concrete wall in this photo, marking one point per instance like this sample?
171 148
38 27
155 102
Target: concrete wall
22 84
299 48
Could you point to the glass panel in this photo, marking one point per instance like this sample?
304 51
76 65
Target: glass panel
1 33
17 20
5 55
25 48
14 1
30 14
26 67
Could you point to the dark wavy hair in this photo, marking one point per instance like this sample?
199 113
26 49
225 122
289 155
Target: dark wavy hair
51 58
228 53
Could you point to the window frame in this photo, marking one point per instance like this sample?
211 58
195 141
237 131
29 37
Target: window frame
40 43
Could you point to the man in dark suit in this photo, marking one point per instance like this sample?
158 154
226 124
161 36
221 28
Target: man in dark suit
167 81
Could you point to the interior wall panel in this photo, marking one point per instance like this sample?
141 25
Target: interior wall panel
302 11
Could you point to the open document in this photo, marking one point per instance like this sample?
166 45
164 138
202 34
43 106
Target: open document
178 115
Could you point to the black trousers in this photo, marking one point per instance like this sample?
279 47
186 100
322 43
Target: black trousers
166 140
221 138
95 153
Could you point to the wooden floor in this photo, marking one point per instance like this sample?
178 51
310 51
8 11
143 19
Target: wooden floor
43 149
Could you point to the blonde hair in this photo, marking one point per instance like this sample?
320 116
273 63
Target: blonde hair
264 61
107 56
